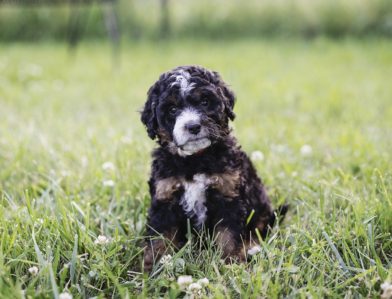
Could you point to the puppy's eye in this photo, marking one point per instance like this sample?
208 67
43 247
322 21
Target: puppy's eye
173 110
204 102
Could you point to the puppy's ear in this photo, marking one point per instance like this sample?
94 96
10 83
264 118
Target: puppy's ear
229 100
229 97
148 114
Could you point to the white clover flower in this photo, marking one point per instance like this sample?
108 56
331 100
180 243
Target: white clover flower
108 183
108 166
257 156
195 288
184 280
102 240
84 161
167 260
203 282
254 250
306 150
386 290
33 270
126 139
65 295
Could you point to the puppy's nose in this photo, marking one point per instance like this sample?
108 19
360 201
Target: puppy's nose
193 127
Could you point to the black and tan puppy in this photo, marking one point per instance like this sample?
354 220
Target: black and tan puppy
199 172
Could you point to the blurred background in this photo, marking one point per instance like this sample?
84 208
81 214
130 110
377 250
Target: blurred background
36 20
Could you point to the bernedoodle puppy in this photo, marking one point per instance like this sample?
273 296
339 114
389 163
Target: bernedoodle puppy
199 172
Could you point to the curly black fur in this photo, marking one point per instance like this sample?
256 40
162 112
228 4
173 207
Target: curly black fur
233 191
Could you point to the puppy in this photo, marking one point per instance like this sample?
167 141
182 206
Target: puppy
198 171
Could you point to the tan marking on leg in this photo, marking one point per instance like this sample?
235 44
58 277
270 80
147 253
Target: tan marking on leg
262 223
155 248
172 239
165 188
152 252
226 242
226 183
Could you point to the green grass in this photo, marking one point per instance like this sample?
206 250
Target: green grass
62 116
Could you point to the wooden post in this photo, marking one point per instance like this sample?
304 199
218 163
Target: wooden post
165 19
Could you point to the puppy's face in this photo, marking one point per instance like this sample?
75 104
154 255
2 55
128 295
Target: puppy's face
188 109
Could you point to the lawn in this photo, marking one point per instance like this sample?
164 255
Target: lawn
74 162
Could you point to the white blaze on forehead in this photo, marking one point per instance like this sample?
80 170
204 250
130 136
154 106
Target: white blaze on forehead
183 82
194 198
180 133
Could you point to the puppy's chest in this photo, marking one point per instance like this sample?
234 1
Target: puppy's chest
194 192
194 197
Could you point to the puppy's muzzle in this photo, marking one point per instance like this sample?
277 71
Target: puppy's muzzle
190 136
193 127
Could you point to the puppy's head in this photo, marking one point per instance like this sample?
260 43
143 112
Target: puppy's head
188 109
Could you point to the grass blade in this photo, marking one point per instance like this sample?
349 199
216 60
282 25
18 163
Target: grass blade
336 252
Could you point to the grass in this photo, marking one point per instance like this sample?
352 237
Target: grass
63 116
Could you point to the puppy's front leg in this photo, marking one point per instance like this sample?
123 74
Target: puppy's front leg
228 239
164 230
166 224
228 226
228 219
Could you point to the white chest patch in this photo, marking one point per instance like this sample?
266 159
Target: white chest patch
194 198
